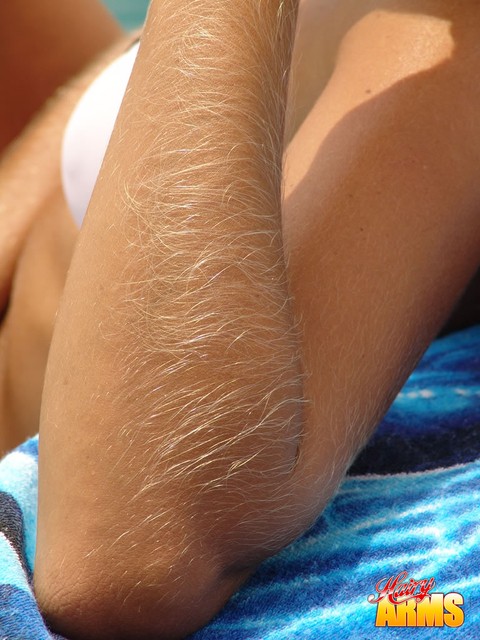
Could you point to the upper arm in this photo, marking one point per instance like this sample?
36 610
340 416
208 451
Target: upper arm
381 220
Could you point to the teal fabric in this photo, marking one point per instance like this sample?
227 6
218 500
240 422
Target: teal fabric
131 13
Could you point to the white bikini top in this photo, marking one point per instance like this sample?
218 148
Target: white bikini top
88 132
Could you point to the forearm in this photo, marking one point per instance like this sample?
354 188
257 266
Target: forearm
186 362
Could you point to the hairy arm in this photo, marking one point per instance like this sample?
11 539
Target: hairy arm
173 399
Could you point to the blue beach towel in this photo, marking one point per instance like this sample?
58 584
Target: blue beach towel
409 504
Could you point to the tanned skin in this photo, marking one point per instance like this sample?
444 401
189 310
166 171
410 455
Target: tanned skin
220 390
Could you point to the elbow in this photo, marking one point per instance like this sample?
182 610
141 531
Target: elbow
165 604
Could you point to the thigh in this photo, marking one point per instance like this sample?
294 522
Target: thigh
37 235
27 327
